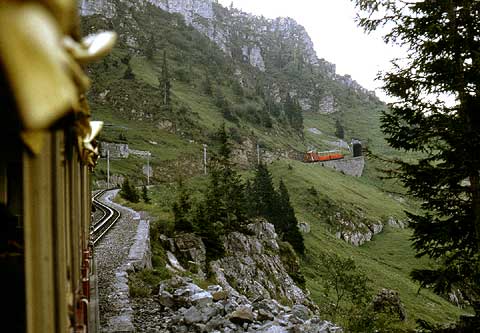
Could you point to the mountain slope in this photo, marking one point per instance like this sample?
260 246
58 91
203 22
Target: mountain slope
213 79
263 79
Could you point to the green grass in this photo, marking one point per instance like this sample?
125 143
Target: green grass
132 108
143 70
387 260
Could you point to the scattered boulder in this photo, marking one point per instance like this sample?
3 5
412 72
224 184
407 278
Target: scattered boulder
252 266
182 306
243 314
388 301
396 223
355 233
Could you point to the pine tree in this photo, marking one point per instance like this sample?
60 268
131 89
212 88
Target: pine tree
339 131
293 112
129 192
207 85
164 83
210 232
145 196
128 75
225 199
150 48
181 210
442 39
286 220
262 194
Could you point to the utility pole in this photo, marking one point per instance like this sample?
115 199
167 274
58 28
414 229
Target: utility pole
205 158
148 168
108 168
258 154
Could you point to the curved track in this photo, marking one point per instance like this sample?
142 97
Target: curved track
109 218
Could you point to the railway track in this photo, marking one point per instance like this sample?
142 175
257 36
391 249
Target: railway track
109 218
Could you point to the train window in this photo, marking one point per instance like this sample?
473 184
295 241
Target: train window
12 238
15 190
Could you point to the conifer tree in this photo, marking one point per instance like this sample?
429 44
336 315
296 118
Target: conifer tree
339 131
263 195
150 48
225 199
181 210
293 112
210 232
129 192
128 75
145 196
274 206
442 39
286 220
164 83
207 85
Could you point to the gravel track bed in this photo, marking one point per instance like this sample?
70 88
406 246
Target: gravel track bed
148 315
111 253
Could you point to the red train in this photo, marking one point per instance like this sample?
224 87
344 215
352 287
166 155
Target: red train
312 157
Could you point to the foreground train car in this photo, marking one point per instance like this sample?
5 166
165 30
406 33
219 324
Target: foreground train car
48 149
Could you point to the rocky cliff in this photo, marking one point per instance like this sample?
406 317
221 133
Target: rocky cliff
277 47
252 264
254 292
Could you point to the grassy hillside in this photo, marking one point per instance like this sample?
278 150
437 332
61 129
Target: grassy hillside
209 87
387 260
207 90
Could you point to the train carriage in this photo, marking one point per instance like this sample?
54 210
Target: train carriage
48 150
312 156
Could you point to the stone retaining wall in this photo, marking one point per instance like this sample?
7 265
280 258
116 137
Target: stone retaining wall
352 166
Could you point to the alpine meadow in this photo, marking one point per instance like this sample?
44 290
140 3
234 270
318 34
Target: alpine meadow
280 195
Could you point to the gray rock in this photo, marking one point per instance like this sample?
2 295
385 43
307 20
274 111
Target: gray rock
272 328
388 301
230 305
174 262
214 288
327 104
202 298
254 263
242 315
217 323
300 311
165 299
192 315
264 315
190 248
269 305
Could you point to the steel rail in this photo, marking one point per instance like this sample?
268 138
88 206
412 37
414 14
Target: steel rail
106 222
95 197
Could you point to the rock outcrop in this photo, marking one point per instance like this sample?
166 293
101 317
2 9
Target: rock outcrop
269 45
254 291
252 266
355 233
185 307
